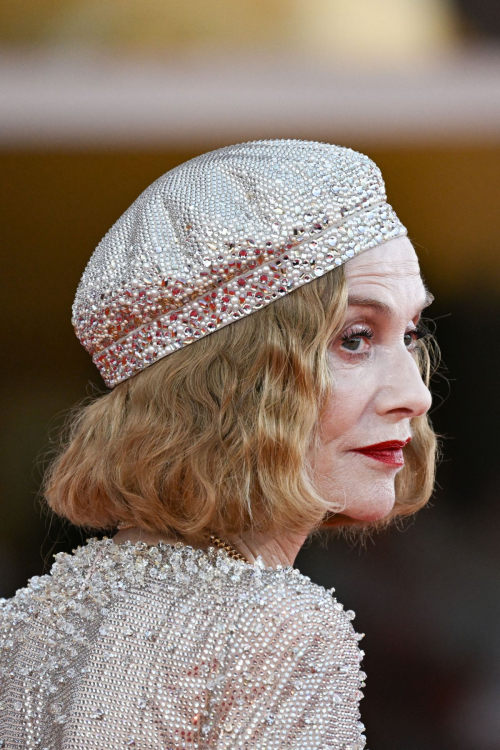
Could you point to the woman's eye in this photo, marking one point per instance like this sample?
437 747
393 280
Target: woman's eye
352 344
357 341
420 332
352 341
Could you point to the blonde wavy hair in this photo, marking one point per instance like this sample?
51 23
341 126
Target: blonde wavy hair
214 438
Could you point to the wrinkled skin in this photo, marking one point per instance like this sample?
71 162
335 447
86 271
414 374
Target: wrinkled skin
378 390
378 387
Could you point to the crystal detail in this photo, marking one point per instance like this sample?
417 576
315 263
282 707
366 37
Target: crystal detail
246 223
222 653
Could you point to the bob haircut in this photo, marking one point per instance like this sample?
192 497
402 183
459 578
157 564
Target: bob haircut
214 437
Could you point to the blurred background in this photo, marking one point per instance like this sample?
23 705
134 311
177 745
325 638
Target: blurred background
99 98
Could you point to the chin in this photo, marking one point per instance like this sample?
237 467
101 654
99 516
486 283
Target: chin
376 511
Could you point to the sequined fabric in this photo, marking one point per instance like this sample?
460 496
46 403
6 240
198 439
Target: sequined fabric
172 648
220 237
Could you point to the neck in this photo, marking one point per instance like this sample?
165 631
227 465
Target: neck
273 550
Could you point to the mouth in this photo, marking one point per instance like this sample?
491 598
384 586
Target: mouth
389 452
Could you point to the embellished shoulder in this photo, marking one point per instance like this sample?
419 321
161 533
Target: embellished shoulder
187 648
292 675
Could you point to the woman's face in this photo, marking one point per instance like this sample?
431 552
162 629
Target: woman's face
378 388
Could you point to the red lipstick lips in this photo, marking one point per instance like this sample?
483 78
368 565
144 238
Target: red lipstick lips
389 452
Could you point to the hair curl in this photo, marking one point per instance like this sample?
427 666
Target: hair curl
214 438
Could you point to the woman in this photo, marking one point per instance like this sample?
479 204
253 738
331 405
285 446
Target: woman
190 628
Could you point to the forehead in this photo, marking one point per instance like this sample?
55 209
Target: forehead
389 272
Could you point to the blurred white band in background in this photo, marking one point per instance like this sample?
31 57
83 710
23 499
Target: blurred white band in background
63 100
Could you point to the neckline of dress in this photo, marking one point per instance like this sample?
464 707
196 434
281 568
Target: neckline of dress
210 552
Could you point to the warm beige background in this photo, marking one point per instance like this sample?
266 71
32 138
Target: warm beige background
359 28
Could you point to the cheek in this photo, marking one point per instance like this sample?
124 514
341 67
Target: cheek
345 408
348 481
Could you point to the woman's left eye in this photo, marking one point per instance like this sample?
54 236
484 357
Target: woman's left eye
352 340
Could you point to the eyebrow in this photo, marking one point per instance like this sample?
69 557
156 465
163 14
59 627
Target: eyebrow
381 306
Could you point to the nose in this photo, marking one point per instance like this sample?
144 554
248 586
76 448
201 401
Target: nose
402 392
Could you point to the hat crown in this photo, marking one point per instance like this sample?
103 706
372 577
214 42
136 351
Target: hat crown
205 222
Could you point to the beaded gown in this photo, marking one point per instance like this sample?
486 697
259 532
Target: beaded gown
174 648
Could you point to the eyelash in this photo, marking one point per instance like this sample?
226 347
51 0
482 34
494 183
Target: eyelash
420 332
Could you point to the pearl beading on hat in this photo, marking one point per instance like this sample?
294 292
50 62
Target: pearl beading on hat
220 237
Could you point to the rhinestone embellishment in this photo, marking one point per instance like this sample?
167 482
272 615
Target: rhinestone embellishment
104 653
220 237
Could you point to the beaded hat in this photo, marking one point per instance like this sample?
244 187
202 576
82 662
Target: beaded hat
220 237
